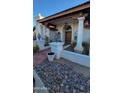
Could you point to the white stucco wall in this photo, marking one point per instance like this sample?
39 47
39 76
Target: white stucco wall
76 58
86 36
75 27
60 29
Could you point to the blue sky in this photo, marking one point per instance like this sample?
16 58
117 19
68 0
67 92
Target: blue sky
49 7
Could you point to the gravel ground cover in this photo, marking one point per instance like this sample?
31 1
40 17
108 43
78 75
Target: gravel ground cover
61 78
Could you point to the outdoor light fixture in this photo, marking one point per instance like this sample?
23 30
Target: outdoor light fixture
51 26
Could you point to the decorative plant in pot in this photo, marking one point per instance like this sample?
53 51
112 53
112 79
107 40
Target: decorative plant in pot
51 56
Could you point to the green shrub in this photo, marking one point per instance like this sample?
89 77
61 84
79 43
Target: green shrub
73 45
35 48
46 41
86 47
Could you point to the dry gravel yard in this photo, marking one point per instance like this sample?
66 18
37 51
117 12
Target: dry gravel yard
63 76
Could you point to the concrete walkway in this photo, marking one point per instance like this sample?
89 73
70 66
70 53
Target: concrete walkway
39 57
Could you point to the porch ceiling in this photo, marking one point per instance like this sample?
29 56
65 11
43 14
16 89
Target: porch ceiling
65 19
62 21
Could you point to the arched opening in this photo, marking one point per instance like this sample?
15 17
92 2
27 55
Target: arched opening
68 33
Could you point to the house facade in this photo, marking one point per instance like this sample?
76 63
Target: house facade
68 26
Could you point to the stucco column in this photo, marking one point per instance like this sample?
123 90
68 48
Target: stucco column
44 29
47 32
39 35
61 31
79 47
72 34
38 31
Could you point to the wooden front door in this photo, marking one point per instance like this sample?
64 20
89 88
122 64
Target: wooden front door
68 37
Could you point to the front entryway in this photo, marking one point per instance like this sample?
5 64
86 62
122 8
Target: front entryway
68 33
67 37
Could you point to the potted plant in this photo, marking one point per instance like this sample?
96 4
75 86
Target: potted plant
51 56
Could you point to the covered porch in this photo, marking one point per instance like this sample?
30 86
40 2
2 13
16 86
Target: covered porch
68 26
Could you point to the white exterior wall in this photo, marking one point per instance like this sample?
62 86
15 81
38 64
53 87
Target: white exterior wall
75 28
60 29
86 36
76 58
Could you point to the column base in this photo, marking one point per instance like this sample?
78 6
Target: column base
78 50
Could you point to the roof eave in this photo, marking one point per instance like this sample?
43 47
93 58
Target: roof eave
66 12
